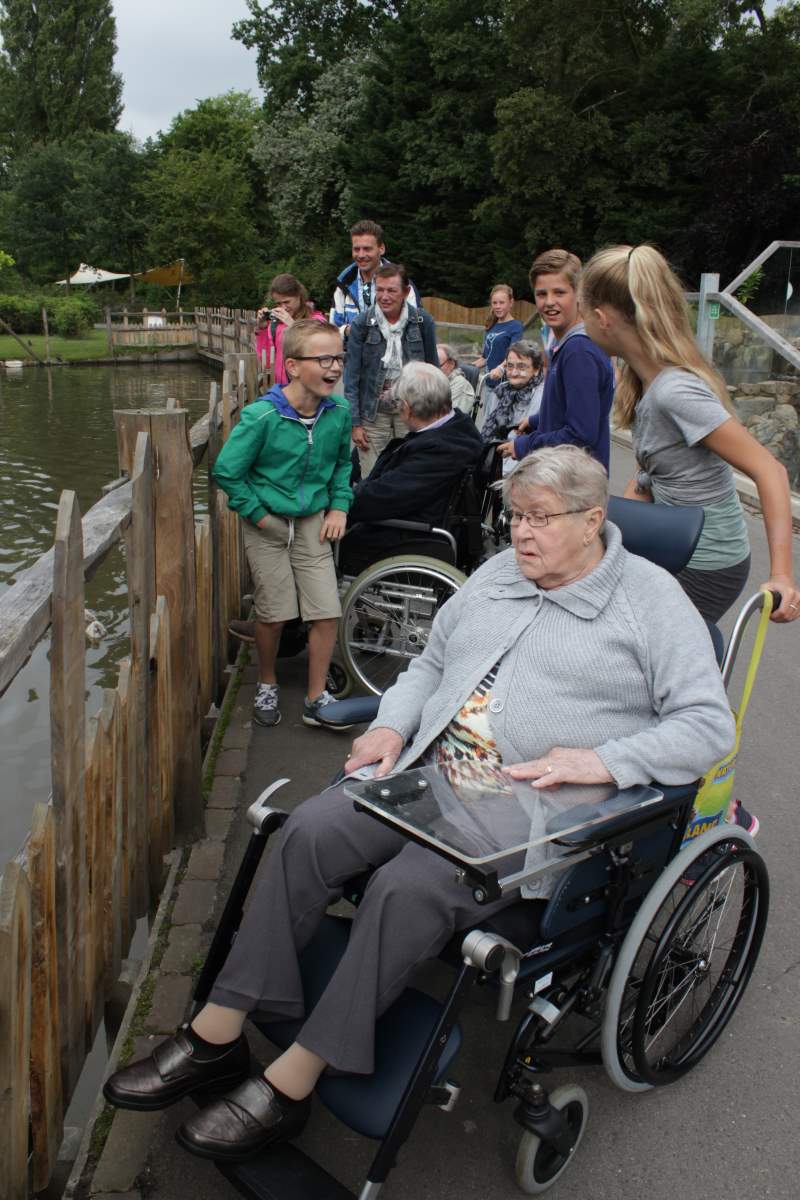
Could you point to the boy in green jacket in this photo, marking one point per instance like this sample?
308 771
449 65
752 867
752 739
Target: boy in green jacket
286 471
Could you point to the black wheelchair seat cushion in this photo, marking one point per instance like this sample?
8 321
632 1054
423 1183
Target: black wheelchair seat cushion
367 1103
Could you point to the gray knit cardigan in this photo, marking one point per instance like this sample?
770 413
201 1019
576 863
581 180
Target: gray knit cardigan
620 662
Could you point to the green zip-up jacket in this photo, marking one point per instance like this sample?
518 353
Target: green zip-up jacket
272 464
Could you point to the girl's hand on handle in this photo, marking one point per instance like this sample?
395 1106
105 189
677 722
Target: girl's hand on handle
789 607
562 765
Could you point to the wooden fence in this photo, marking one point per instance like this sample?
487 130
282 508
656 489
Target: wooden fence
448 313
126 782
222 331
150 327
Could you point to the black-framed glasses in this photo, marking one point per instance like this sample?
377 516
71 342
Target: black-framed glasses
538 520
326 361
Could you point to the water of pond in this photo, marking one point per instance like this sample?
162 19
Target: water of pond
59 433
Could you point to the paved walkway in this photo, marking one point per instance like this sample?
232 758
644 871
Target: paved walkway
727 1131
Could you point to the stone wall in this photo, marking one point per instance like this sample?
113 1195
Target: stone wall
770 411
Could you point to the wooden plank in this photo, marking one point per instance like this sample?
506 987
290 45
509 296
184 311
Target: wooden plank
202 546
167 758
141 570
110 801
96 838
25 607
175 581
15 1023
126 765
219 642
155 801
47 1104
68 753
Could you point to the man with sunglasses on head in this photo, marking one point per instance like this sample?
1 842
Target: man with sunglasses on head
286 470
355 286
391 333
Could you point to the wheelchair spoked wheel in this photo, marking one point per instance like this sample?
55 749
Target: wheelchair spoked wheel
338 682
686 960
387 616
539 1164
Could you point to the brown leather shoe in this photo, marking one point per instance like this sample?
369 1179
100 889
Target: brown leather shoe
243 1123
172 1071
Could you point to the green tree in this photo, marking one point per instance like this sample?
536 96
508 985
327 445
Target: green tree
43 214
198 208
297 40
57 69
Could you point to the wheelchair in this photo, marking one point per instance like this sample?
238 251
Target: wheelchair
637 962
391 596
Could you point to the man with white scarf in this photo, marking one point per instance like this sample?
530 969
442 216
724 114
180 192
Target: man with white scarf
390 333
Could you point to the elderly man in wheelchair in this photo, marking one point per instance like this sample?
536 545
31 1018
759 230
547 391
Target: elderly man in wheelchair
565 660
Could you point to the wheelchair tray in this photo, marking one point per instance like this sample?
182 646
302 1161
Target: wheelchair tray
501 832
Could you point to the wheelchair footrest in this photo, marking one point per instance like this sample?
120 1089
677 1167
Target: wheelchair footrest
367 1103
284 1173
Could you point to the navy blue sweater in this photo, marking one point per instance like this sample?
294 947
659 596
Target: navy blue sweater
577 399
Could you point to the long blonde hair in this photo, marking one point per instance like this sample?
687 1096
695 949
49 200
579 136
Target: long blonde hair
491 320
640 284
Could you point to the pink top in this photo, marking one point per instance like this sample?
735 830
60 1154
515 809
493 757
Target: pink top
264 343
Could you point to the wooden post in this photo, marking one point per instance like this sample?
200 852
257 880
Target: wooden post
15 1023
47 1102
46 329
218 634
109 331
67 743
251 377
125 317
141 569
110 799
173 534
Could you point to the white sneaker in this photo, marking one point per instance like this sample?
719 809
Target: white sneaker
265 708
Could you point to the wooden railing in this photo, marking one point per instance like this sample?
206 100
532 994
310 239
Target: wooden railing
150 327
446 312
222 331
126 782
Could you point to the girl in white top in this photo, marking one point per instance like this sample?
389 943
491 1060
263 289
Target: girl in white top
685 437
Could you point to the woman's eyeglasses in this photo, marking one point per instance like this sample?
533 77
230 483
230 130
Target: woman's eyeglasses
538 520
326 361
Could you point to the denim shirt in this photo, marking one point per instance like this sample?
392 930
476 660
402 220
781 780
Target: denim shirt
366 347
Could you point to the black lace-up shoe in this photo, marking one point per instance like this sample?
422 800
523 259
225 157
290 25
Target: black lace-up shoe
175 1069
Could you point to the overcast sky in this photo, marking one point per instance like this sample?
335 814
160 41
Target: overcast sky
172 53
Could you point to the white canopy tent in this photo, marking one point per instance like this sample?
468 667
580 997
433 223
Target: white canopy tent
87 275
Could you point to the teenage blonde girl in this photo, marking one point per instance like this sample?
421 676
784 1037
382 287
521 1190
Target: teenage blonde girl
685 437
501 330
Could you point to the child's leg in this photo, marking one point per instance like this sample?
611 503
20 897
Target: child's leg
321 641
268 636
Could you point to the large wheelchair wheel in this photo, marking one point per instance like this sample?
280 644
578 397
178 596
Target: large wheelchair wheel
538 1164
685 961
387 615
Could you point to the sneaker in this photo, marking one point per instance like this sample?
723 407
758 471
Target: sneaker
748 822
244 631
265 709
311 711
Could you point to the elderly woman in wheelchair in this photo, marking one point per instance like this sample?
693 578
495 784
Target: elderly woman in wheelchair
563 660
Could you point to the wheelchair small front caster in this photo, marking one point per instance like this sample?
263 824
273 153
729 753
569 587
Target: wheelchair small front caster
539 1163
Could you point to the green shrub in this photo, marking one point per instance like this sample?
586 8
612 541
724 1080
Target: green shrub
22 313
72 315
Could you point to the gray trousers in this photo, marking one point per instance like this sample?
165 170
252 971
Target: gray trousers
410 909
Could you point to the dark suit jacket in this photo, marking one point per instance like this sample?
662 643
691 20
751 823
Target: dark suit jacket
414 476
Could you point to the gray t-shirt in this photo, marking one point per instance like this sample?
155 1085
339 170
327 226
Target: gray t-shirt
673 416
